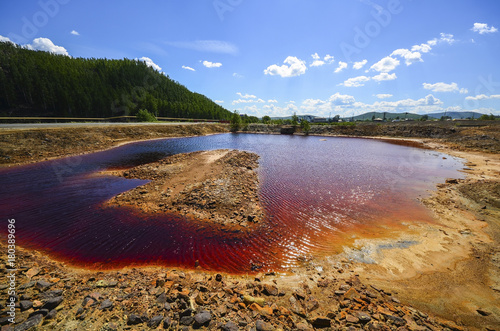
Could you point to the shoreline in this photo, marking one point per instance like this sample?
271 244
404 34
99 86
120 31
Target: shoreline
457 256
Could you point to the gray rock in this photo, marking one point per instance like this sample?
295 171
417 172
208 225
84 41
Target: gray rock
42 285
186 320
167 323
202 317
106 304
134 319
29 323
52 303
364 317
51 314
25 305
230 326
155 321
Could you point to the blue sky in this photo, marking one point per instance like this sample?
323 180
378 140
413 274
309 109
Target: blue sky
317 57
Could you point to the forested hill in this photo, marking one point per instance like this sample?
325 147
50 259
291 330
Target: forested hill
36 83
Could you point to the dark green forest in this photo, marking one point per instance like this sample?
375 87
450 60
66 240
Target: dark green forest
36 83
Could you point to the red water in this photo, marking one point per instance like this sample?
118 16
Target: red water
318 196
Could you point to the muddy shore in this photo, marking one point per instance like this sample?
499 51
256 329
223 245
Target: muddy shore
450 279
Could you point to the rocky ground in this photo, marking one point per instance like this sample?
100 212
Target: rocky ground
19 146
51 296
218 186
449 279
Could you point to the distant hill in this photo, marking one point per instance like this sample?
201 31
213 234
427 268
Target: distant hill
457 114
36 83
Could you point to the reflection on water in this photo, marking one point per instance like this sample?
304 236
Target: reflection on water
317 193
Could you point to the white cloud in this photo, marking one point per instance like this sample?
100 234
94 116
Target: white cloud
355 81
46 45
387 64
359 65
235 102
219 101
443 87
384 76
237 75
383 96
409 56
422 48
211 46
446 38
246 96
5 39
188 68
329 58
483 97
209 64
318 62
342 66
483 28
149 63
292 67
341 99
272 101
74 33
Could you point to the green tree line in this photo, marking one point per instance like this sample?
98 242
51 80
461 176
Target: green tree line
36 83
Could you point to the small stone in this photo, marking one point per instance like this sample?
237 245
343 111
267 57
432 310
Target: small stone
52 314
155 321
229 326
134 319
42 285
218 277
167 323
25 305
270 290
483 312
32 272
52 303
364 317
186 320
263 326
202 317
30 323
351 319
321 322
106 304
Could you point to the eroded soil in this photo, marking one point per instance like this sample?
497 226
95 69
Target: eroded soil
218 186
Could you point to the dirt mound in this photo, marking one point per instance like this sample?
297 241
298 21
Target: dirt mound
218 186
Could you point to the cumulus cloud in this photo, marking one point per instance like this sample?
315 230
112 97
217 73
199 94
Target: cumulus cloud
383 96
5 39
359 65
74 33
409 56
219 101
483 28
46 45
483 97
292 67
272 101
422 48
355 81
443 87
387 64
149 63
318 61
341 99
342 66
210 46
384 76
209 64
235 102
246 96
188 68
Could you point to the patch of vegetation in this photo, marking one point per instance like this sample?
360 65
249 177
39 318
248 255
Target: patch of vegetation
143 115
37 83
